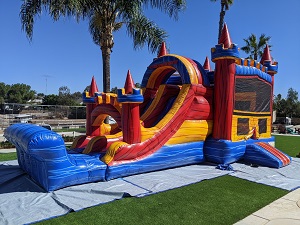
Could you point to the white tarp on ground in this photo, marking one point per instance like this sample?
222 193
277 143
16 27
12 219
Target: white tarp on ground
287 177
22 201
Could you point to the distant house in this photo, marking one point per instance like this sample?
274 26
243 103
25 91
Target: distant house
22 118
35 101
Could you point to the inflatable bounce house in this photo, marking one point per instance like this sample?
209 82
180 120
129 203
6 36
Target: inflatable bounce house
183 114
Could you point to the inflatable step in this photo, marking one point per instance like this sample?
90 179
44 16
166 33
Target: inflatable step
263 154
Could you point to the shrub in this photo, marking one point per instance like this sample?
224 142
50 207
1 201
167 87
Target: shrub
6 144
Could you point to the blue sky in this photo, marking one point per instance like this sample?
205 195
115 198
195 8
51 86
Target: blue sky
63 54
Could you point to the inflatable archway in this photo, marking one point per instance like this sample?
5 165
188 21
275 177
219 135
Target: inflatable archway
159 71
99 114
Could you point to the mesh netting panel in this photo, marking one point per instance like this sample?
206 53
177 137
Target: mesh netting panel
262 124
252 95
243 126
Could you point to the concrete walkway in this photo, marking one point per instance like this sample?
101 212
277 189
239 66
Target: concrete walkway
7 150
285 210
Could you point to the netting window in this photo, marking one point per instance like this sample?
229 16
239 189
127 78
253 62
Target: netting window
262 124
242 126
252 94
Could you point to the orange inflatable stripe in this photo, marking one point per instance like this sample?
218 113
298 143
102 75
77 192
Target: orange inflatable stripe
277 153
285 160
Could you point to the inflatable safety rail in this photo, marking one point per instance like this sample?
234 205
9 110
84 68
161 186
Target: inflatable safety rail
43 156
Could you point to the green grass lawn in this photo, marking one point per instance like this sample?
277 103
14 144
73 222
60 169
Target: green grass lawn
288 144
223 200
8 156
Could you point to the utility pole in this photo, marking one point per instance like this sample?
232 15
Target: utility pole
46 77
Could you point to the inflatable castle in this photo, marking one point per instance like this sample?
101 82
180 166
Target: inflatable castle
183 114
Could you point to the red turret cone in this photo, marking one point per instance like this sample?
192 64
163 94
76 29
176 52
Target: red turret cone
93 87
225 37
266 56
129 84
206 65
163 50
89 108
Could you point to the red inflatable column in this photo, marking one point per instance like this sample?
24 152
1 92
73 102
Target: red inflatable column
224 56
90 101
266 60
130 97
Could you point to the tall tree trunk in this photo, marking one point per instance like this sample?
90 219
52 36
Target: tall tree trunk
106 44
221 21
255 56
106 51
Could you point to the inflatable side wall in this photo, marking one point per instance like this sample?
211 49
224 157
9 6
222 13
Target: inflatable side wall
42 154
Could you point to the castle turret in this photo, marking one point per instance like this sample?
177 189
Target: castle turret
224 56
225 39
163 50
266 61
272 68
266 55
89 99
206 65
130 97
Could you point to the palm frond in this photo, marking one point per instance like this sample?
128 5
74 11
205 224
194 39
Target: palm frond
118 26
255 47
95 27
263 39
170 7
29 9
227 3
143 31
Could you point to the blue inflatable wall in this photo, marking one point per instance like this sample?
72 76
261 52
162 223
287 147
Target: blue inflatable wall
43 155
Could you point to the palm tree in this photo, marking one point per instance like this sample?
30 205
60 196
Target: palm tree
255 47
106 17
224 7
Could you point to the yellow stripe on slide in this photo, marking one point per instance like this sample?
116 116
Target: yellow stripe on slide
190 69
156 73
154 103
176 106
89 146
147 133
110 153
192 131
